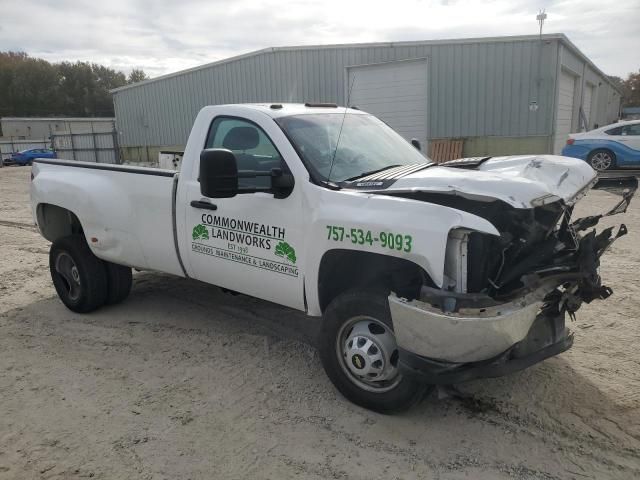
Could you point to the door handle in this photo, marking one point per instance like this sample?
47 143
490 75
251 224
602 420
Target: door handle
204 205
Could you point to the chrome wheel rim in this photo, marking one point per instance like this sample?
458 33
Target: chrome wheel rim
368 354
67 269
601 161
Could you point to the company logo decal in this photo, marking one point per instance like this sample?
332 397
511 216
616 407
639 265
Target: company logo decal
284 250
251 243
200 232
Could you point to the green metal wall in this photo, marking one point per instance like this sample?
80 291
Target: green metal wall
484 146
479 87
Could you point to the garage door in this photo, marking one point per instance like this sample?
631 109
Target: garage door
396 92
564 113
586 105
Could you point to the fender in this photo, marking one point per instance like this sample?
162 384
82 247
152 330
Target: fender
426 225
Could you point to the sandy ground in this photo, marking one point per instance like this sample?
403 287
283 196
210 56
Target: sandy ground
184 382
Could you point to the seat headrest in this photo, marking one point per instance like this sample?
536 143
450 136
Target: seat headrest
241 138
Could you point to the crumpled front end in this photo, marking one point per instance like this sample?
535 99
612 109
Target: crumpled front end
504 301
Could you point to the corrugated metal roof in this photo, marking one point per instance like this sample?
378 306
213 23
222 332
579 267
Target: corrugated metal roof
454 41
577 51
474 88
477 87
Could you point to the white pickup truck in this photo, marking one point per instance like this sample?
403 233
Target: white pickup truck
424 274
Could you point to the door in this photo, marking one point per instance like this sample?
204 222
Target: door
250 243
395 92
564 111
587 101
630 137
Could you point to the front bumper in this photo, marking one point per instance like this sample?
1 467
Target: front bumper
468 335
443 347
449 337
547 337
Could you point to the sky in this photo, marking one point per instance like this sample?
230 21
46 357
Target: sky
165 36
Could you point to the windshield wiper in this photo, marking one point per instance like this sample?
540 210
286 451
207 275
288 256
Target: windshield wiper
366 174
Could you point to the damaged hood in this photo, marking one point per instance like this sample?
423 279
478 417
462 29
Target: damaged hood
525 181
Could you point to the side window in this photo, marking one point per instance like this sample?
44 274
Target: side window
614 131
631 129
251 146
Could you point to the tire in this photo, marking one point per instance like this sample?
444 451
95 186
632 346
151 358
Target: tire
119 280
79 277
602 159
352 317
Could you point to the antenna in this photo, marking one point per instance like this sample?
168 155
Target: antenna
333 159
353 80
541 17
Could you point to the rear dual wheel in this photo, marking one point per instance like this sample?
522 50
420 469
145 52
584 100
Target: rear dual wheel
119 281
83 281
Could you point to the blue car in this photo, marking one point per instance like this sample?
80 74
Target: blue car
25 157
606 148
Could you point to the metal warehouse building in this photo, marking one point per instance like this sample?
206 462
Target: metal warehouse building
500 95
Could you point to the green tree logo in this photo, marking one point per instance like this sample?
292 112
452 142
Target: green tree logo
200 232
284 250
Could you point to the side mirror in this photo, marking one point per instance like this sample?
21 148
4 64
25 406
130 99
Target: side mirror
218 173
416 143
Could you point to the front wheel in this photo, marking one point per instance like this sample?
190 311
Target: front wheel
359 353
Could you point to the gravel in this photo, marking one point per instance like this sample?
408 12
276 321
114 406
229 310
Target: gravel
183 381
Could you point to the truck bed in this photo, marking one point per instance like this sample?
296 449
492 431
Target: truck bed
127 213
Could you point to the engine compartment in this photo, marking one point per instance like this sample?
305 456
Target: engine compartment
541 251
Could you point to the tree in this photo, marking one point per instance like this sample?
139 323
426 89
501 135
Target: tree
27 85
105 79
136 76
76 88
632 90
31 87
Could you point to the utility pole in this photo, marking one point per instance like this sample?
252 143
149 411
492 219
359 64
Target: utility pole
541 17
533 104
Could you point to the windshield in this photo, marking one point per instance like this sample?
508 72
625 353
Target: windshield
365 145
